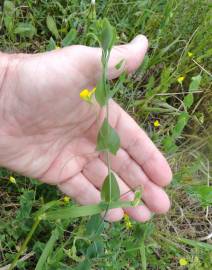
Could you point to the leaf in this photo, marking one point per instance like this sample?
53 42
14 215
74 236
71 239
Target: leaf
25 30
119 65
95 249
188 100
110 189
195 83
72 254
85 265
9 8
70 212
137 198
108 36
181 123
101 93
26 203
51 24
9 12
195 243
94 226
47 250
108 139
69 38
202 193
52 45
169 144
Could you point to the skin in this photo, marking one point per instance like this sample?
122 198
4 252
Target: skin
49 133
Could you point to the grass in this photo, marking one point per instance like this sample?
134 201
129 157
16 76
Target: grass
173 28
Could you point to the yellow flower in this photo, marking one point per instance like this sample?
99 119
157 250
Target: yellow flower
57 47
128 225
156 123
12 180
190 54
127 222
181 79
183 262
66 199
87 95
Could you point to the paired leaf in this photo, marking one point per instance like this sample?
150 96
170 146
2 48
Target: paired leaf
70 212
108 36
51 24
108 139
101 93
194 86
94 226
181 123
110 189
188 100
195 83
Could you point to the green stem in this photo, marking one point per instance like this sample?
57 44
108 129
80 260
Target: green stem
105 67
143 256
24 245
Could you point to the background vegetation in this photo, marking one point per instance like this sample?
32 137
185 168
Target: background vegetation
179 34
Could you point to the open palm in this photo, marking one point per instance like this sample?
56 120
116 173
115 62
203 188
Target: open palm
49 133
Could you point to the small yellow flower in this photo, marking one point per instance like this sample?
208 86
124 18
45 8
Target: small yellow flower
128 225
181 79
156 123
57 47
66 199
127 222
87 95
183 262
12 180
190 54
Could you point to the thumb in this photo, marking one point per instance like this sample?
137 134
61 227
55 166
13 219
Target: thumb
131 55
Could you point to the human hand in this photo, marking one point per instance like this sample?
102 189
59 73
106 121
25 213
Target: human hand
48 132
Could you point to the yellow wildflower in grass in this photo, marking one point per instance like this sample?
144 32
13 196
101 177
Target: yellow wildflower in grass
86 95
181 79
190 54
57 47
183 262
156 123
127 222
66 199
12 180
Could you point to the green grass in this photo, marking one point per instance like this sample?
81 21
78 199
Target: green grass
173 28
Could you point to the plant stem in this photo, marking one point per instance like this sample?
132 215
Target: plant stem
105 67
24 245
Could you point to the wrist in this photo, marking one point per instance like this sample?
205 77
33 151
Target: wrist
6 85
4 66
